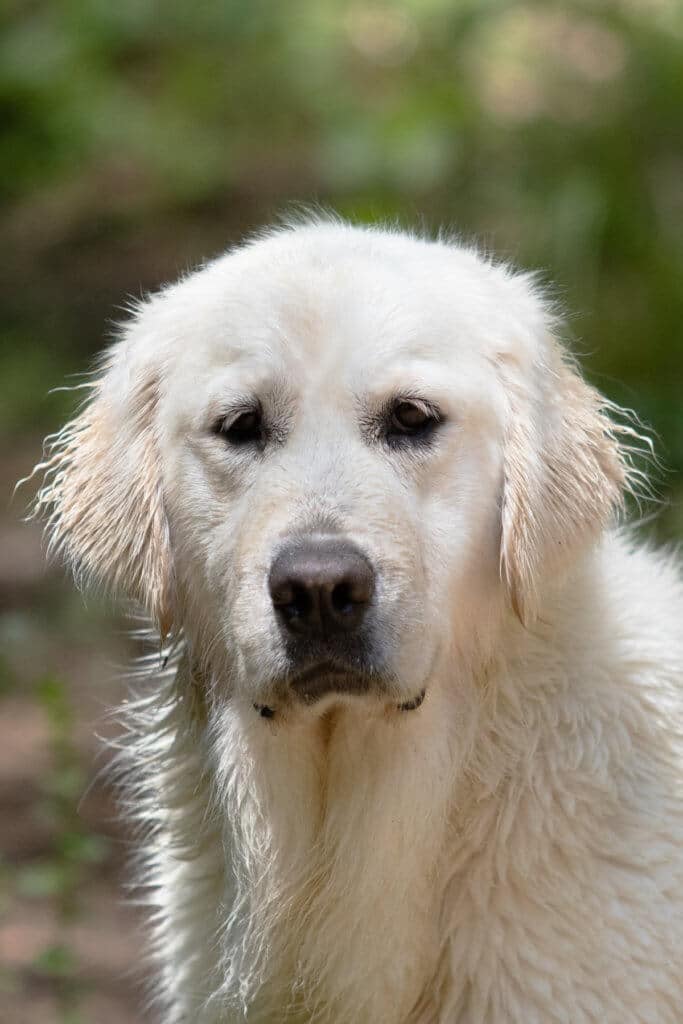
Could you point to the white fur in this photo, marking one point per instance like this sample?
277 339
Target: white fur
512 851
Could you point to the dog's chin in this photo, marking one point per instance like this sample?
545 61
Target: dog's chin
320 686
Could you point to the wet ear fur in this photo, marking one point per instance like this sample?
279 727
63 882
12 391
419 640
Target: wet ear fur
101 493
564 471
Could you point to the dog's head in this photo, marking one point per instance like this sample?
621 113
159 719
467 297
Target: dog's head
332 456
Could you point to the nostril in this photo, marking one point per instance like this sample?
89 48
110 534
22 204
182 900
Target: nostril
301 604
295 602
342 598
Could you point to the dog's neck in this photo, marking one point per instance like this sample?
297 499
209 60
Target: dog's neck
318 840
334 836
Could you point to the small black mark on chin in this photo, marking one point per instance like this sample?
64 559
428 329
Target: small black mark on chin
412 705
264 711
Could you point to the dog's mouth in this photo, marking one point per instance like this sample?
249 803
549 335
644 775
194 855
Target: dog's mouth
325 677
320 680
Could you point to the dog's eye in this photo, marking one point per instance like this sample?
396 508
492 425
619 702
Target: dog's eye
411 419
246 428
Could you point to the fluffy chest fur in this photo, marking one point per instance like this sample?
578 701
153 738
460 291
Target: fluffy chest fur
503 853
324 838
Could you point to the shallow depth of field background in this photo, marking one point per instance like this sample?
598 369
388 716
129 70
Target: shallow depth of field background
140 138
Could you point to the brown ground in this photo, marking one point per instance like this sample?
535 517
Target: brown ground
69 946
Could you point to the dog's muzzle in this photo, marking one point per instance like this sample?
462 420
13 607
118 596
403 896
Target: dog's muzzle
322 588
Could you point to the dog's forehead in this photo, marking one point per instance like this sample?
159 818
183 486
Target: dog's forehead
352 307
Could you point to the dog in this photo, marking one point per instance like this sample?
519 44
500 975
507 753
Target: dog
414 751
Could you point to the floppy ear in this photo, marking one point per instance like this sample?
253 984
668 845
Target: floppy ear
101 494
564 470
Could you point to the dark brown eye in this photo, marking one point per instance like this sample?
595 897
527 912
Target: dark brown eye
246 428
411 420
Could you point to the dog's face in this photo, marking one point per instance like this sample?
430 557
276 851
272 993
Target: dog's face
332 457
331 449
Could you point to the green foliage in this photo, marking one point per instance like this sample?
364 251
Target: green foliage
29 373
74 848
59 875
56 961
59 964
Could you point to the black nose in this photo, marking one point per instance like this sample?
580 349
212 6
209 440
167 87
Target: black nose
321 586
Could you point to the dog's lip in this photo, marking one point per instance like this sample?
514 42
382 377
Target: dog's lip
321 668
318 679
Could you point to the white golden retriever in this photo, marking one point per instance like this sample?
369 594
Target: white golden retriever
417 754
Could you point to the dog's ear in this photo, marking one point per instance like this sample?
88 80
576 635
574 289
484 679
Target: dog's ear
101 494
564 470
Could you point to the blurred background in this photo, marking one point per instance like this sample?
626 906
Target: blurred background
141 137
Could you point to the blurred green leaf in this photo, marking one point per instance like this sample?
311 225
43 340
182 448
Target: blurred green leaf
44 879
83 848
56 961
